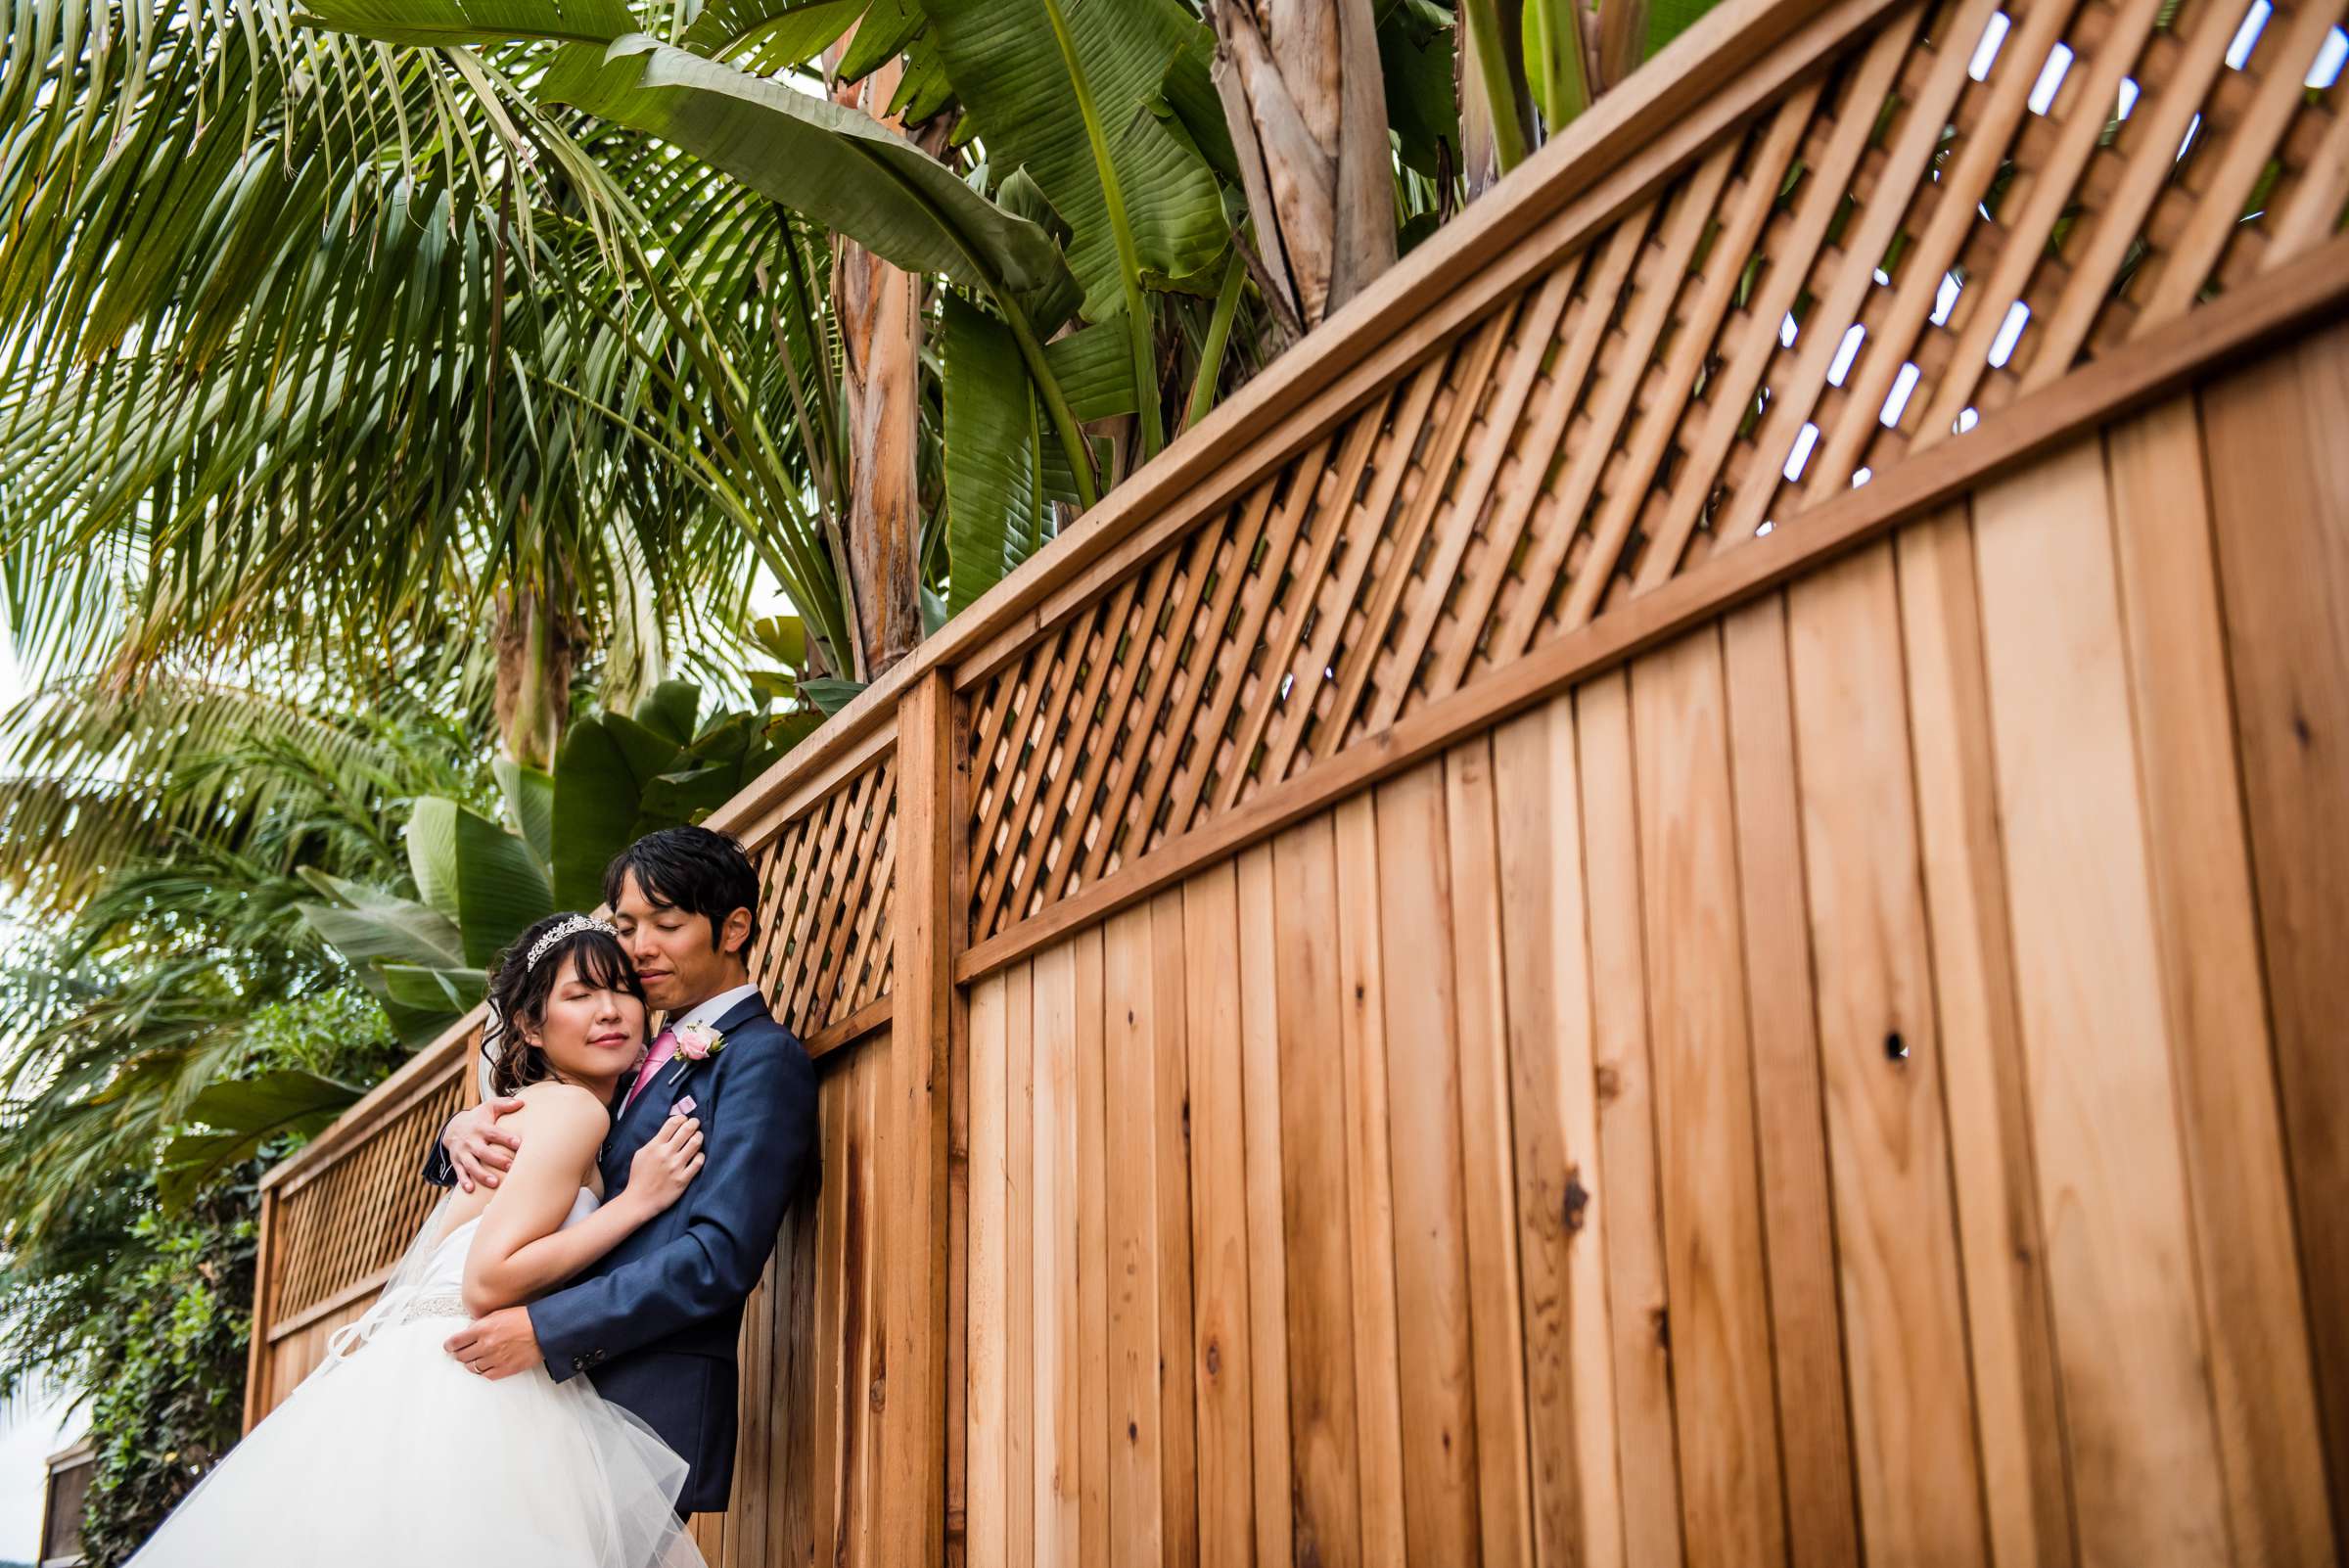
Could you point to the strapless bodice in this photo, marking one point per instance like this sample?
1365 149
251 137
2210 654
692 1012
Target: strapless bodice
447 1270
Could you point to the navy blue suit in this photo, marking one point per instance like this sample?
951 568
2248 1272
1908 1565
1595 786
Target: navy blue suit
656 1319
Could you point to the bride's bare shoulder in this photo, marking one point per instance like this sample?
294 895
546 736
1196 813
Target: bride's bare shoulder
563 1104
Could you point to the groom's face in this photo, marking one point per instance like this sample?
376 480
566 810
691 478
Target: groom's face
674 956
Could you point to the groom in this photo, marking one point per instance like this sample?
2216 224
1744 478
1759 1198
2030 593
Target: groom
656 1319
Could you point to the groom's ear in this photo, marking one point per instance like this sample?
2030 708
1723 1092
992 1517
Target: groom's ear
734 936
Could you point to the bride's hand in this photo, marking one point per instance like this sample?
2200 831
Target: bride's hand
658 1176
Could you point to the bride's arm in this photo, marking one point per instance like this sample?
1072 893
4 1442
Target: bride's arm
522 1247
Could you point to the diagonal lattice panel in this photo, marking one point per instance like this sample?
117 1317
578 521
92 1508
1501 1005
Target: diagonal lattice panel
1965 202
822 951
352 1219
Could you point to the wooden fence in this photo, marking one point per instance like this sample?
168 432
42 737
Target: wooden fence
1673 897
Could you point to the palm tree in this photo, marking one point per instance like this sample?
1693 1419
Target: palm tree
164 837
348 372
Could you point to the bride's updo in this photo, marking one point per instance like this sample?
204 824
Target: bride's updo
526 979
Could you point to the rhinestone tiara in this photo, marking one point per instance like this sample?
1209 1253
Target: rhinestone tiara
570 926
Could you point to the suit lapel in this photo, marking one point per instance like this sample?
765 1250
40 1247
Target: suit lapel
668 1079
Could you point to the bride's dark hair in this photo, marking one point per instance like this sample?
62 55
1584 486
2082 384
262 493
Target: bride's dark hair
519 991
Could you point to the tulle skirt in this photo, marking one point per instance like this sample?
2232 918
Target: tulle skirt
399 1456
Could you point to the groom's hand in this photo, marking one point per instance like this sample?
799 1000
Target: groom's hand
497 1346
480 1151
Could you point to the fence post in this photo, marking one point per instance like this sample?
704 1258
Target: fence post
913 1414
259 1362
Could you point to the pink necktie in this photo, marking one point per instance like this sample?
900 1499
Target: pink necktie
664 1046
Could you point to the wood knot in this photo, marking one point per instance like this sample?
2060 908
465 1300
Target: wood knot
1578 1199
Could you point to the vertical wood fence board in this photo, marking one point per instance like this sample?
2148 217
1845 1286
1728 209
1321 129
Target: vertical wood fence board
1136 1531
1370 1182
1719 1313
1054 1196
1171 1169
2280 503
1020 1265
1267 1191
1431 1265
1093 1257
1808 1340
914 1126
1221 1346
1569 1382
986 1367
2017 1405
1629 1180
1318 1276
2129 1337
1488 1159
2262 1380
1920 1497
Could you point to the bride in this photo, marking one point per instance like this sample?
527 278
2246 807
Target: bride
391 1453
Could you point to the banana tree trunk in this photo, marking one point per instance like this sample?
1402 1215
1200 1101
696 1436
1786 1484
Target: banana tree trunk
537 645
879 310
1306 99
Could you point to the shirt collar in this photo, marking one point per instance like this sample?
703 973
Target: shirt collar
715 1008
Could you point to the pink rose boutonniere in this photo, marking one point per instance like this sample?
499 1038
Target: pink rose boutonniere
695 1042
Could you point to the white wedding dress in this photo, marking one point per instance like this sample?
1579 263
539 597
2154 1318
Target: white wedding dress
393 1454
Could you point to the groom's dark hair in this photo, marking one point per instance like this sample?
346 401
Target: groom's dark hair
695 869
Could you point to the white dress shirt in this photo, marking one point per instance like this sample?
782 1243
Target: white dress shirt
715 1008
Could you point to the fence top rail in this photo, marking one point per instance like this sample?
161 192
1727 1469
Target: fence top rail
1614 134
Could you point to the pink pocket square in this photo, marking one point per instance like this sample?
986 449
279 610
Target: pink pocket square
683 1107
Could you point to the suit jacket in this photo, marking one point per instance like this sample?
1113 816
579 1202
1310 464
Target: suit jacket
656 1317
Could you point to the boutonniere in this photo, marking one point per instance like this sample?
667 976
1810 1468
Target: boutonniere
695 1041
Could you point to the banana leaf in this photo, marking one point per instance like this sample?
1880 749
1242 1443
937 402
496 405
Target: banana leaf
839 166
1011 78
1094 370
531 797
364 924
245 1114
1187 98
670 711
1415 59
501 889
993 450
452 993
889 25
601 773
433 853
454 24
766 36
